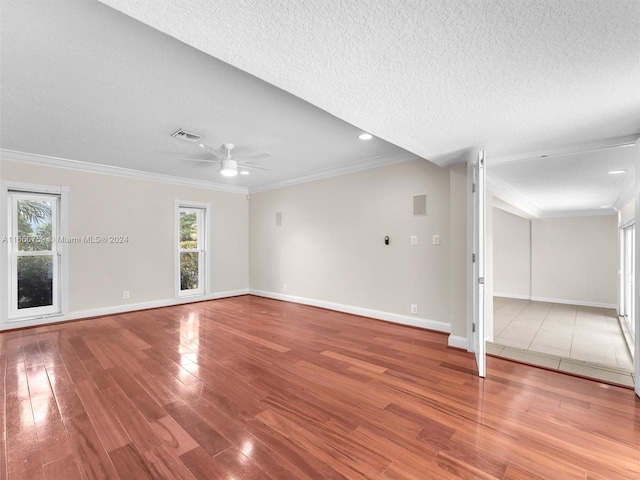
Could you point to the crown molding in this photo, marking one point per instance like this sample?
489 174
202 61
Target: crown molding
510 195
44 160
618 142
512 201
600 212
505 206
367 164
634 190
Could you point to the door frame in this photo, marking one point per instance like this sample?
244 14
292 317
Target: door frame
627 267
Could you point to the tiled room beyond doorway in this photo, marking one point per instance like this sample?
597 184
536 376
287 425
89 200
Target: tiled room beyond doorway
586 341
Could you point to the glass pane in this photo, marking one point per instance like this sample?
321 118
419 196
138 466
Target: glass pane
35 281
34 225
189 271
188 230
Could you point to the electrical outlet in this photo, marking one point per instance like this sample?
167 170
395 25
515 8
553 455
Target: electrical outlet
284 287
414 239
414 309
125 294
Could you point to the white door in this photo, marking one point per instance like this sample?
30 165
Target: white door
478 258
635 317
628 306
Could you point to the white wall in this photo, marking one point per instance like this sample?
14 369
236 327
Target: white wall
330 246
143 210
511 255
564 259
575 259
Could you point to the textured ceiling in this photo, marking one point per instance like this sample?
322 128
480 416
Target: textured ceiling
434 77
86 82
82 81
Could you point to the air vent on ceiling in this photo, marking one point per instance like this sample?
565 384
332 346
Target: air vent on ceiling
188 136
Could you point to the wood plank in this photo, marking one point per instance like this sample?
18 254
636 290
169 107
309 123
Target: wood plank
256 339
3 417
166 465
63 469
231 463
354 462
91 457
22 459
130 463
134 423
201 465
53 443
108 427
367 366
138 395
173 436
203 433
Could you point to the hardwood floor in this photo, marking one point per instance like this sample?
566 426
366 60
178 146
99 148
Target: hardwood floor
250 388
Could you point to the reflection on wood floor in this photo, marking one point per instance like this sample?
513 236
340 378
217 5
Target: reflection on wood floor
250 388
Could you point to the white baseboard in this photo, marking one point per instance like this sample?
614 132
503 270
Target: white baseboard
458 342
131 307
556 300
364 312
574 302
512 295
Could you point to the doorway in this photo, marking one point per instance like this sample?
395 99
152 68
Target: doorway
556 293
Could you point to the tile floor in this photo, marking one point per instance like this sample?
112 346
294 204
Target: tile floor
586 341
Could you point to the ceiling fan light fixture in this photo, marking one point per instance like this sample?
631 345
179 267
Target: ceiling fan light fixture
229 168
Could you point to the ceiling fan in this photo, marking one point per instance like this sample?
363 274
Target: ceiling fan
230 167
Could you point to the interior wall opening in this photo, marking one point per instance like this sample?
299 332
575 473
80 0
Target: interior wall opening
563 293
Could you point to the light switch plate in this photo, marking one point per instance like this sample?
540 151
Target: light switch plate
414 239
436 239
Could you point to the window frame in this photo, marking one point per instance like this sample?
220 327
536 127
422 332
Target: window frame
202 211
9 193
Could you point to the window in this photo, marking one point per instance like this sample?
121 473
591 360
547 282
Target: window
34 253
192 245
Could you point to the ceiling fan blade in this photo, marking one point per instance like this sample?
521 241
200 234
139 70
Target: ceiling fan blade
209 149
252 167
204 160
257 156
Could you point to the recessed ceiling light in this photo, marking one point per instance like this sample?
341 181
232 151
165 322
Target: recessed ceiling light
616 172
365 136
244 172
